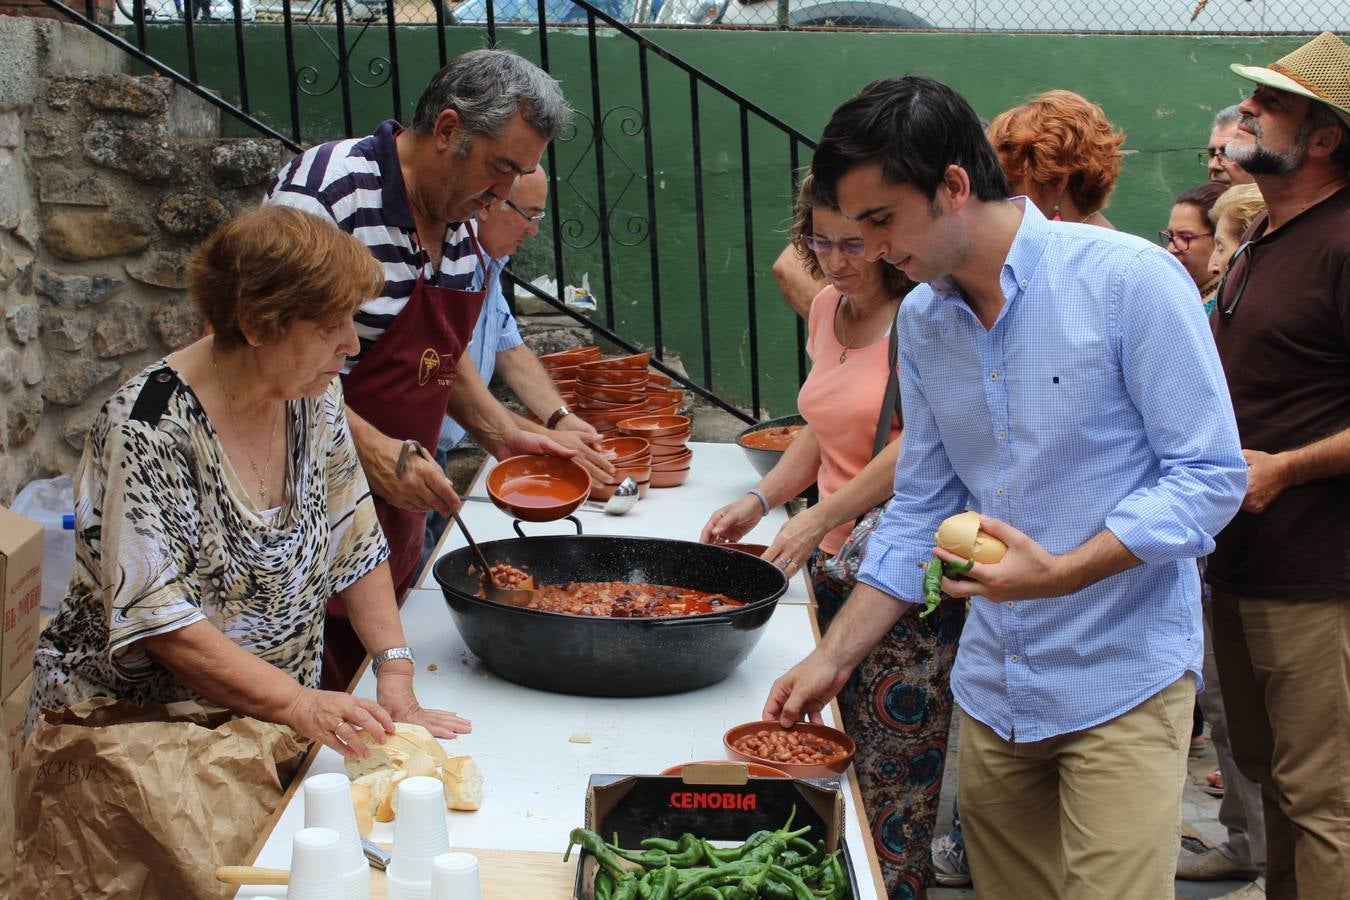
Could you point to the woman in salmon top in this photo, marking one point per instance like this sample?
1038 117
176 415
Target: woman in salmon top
897 706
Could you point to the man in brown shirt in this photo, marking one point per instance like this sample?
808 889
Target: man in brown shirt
1281 571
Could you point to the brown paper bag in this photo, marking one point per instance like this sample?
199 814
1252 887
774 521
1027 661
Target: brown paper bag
120 801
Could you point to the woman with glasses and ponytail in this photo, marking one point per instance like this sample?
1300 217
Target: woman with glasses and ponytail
898 703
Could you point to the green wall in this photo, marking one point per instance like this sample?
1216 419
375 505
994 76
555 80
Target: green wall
1162 90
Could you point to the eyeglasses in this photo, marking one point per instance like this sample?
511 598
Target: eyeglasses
1182 239
1212 153
1234 281
523 214
820 246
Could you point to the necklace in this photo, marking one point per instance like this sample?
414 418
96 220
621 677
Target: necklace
845 303
264 496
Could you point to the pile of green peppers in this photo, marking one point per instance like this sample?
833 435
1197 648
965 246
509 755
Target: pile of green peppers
779 865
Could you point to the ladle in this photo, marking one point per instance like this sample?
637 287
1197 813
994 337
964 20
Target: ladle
518 596
621 501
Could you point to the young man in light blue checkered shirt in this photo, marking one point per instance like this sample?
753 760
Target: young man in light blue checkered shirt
1060 379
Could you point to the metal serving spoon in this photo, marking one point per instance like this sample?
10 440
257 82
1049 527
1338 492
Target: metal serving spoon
518 596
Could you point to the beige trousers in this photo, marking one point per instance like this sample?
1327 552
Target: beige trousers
1089 815
1286 688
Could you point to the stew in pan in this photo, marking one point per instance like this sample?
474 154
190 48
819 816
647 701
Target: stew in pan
619 599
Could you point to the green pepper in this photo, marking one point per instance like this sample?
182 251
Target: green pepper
626 888
715 877
604 886
789 880
932 586
732 854
838 878
648 859
665 844
802 853
706 893
609 861
690 852
663 883
774 890
951 568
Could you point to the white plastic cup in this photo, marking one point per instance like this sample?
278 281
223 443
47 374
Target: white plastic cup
328 804
420 833
454 876
315 873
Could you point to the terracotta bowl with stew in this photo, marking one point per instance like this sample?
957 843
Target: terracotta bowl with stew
763 452
538 488
796 761
754 770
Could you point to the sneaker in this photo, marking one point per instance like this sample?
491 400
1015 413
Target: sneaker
949 862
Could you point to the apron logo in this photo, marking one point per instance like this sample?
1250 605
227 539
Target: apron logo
430 363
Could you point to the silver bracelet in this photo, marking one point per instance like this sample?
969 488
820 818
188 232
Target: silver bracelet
392 653
763 501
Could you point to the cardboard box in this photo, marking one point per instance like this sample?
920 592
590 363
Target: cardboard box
20 597
716 802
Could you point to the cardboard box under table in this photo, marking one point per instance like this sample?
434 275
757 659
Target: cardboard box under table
21 583
715 802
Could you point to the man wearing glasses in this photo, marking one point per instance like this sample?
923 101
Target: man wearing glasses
1281 570
496 344
1215 157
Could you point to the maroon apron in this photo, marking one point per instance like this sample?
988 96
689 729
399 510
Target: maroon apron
401 386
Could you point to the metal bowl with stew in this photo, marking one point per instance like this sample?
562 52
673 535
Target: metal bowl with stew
763 444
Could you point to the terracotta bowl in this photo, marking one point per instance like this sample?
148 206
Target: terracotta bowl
585 401
669 478
754 770
566 384
671 463
827 769
625 448
538 488
635 362
670 410
658 380
666 396
655 426
663 453
571 357
642 488
620 378
752 549
610 394
669 440
606 418
638 472
563 373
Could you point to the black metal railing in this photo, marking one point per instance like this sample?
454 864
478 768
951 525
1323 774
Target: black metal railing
342 57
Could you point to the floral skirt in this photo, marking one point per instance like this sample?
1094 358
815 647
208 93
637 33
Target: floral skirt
897 706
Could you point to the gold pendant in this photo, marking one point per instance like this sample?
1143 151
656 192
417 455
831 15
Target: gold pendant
843 355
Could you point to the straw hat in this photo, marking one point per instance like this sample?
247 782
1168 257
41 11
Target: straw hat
1319 70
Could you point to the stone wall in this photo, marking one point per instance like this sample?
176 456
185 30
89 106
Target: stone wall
107 182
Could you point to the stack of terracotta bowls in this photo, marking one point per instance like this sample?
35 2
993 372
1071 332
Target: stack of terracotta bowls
632 458
563 366
668 434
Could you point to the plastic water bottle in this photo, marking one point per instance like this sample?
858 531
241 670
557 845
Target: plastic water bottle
50 501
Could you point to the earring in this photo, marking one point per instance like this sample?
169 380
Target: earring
1055 217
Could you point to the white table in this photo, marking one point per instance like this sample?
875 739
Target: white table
535 773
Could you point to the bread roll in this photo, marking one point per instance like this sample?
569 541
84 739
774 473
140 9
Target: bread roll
463 782
410 750
961 535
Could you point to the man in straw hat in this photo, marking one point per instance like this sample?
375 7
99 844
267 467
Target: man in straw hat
1280 574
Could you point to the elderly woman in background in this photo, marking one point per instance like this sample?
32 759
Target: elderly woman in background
898 703
220 502
1189 236
1231 215
1060 150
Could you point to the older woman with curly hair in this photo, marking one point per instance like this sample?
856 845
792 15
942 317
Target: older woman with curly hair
1061 152
220 502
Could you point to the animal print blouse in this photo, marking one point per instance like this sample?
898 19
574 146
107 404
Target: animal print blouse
165 538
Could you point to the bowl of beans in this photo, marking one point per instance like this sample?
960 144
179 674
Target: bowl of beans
806 750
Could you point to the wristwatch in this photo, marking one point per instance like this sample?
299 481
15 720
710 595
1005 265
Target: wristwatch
559 414
385 656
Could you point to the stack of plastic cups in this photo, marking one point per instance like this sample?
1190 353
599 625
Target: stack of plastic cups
420 835
328 804
454 876
315 874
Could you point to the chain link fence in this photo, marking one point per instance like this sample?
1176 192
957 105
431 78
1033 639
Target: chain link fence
1092 16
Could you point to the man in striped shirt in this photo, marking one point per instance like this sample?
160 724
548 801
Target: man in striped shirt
409 195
